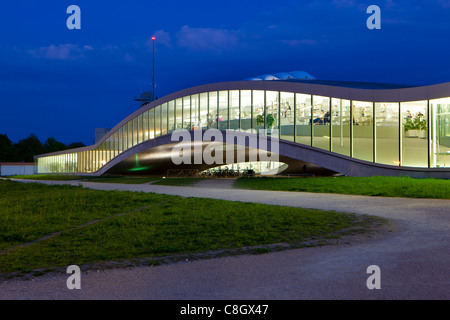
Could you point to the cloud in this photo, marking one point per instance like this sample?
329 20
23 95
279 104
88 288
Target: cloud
61 52
445 3
294 43
162 37
207 38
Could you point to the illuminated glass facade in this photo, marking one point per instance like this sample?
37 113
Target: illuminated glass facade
404 133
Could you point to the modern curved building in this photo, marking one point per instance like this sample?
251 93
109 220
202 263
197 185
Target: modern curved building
352 128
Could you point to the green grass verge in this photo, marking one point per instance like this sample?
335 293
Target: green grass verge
102 179
126 180
371 186
53 177
170 225
179 181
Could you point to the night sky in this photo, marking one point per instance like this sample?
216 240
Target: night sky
65 83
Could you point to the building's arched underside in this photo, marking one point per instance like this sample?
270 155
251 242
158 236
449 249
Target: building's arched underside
154 157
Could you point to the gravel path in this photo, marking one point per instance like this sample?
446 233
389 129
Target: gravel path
220 183
414 260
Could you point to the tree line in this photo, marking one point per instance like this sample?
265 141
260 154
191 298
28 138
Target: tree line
27 148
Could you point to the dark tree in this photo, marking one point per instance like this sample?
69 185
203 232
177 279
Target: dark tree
6 149
74 145
52 145
27 148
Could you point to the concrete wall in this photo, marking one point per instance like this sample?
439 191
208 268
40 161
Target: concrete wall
12 169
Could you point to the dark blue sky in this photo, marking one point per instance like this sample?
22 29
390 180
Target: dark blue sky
65 83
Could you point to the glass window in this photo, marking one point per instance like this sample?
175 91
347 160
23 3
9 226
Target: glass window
321 121
179 114
246 110
130 134
125 136
120 140
171 114
234 109
140 132
387 146
287 118
340 126
258 111
116 144
414 134
135 131
223 110
303 115
157 121
187 112
145 119
107 149
204 111
440 133
164 119
272 107
213 113
151 125
363 130
101 156
195 109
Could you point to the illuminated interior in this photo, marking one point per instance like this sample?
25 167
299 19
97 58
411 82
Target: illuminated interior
404 133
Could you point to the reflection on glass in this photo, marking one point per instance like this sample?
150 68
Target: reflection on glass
152 124
157 121
363 130
234 109
213 112
321 122
440 133
340 126
258 111
179 114
287 118
246 110
387 134
223 110
414 152
303 115
164 119
195 119
171 117
259 167
140 132
187 113
145 119
272 108
130 134
204 111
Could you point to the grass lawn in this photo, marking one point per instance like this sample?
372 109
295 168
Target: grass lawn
153 225
54 177
103 179
371 186
178 181
126 180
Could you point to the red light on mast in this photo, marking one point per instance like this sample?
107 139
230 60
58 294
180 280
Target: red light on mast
153 38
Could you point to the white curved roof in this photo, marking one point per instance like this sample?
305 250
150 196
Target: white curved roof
297 75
